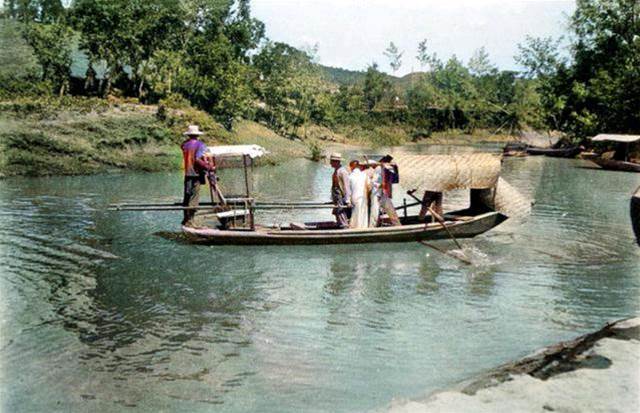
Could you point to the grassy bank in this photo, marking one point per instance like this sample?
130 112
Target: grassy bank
72 136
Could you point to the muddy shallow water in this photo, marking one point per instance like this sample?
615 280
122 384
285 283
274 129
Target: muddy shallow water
99 312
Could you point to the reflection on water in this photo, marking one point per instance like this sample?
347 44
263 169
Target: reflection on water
102 310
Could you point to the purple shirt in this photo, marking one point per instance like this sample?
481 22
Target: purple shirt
191 150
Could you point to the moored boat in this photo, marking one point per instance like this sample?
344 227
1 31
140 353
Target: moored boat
570 152
635 213
614 165
621 160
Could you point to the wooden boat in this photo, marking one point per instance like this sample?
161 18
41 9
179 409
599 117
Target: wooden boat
460 224
434 173
621 160
613 165
555 153
235 220
635 213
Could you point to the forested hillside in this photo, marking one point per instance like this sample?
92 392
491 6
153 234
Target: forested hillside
213 56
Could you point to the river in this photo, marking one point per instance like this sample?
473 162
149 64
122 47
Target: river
102 310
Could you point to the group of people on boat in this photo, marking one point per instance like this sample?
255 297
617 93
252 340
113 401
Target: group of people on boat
362 192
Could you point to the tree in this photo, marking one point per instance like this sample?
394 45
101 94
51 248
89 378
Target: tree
479 63
376 86
125 33
395 57
427 59
52 45
290 85
539 56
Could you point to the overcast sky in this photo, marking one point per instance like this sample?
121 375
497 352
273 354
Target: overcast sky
353 33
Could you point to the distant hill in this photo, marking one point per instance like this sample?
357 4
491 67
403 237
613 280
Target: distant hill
341 76
350 77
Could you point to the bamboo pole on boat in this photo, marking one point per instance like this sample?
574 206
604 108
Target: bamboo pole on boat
445 252
438 218
441 221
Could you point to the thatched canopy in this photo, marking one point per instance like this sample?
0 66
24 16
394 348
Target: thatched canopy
440 173
616 138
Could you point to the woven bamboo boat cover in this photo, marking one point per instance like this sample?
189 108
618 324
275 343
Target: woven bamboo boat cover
441 173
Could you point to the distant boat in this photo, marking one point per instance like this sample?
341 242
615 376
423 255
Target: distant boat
635 213
570 152
621 160
515 149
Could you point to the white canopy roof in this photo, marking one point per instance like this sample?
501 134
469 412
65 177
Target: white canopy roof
616 138
227 151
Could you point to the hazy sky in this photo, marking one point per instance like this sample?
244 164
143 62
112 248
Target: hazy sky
353 33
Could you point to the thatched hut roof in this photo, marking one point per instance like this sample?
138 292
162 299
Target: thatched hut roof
442 173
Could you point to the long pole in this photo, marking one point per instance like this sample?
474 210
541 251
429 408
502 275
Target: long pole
445 252
441 221
438 218
231 201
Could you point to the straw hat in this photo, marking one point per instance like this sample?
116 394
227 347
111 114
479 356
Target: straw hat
335 157
193 130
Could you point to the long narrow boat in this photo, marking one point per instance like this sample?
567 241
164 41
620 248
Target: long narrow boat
234 216
635 213
555 153
621 160
460 224
613 165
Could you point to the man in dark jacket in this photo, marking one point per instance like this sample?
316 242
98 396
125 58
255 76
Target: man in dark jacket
195 168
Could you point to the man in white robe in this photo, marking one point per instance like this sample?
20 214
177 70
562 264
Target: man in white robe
374 173
358 184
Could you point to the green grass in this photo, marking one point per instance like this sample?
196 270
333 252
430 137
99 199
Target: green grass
74 136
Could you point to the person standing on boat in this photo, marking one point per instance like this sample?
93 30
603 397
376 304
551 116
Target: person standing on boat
390 176
374 173
195 169
340 191
359 184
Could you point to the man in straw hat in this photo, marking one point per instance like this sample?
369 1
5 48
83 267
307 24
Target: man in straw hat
340 191
195 168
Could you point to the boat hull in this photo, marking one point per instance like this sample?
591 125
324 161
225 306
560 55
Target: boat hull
635 214
555 153
614 165
404 233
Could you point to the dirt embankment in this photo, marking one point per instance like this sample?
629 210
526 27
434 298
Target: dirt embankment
85 136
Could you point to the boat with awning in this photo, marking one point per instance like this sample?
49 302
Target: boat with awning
621 160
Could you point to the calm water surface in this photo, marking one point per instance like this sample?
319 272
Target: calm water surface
99 312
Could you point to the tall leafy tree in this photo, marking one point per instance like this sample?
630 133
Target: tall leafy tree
52 45
376 86
426 58
395 57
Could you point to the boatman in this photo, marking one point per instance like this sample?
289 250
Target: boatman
340 191
195 170
390 176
